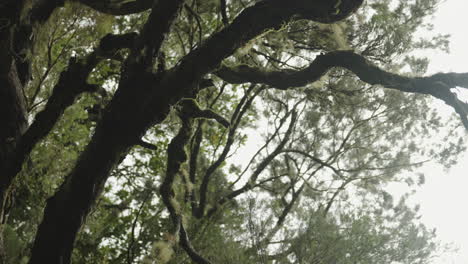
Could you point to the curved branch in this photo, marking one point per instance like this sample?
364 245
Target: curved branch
196 112
118 8
71 83
437 85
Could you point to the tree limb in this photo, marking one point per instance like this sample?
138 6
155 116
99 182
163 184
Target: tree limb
118 8
437 85
153 34
187 246
175 158
315 159
224 16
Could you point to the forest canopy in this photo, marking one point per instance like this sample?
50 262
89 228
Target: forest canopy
219 131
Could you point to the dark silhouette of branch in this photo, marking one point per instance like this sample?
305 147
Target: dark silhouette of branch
187 246
193 163
224 16
118 8
147 145
336 193
198 19
66 210
437 85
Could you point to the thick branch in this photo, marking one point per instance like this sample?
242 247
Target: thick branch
18 19
67 209
118 8
154 32
437 85
16 40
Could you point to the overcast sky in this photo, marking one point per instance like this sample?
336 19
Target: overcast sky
444 197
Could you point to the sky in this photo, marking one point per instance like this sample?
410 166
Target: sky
444 197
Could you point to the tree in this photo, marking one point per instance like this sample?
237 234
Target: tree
168 56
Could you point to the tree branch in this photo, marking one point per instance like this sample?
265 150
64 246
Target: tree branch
118 8
175 158
147 145
187 246
315 159
154 32
437 85
224 16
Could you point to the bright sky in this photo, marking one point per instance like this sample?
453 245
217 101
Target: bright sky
444 197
